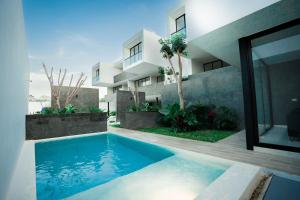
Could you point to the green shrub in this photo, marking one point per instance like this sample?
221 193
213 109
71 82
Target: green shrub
178 120
94 109
205 114
48 111
226 119
113 113
198 116
144 107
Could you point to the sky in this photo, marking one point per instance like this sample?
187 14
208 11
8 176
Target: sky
76 34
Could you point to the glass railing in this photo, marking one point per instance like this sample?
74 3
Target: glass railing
133 59
180 32
96 79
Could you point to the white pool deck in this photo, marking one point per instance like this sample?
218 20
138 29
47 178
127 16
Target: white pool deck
237 182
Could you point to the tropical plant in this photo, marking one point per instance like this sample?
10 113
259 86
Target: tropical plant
176 44
95 109
205 114
178 119
226 119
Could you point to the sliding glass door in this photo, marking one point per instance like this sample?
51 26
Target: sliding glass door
272 67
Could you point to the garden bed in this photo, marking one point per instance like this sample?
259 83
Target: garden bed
201 135
40 126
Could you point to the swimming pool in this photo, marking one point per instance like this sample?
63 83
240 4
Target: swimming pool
68 167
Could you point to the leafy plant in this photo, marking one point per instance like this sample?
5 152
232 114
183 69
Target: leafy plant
144 107
69 109
226 119
113 113
205 114
175 45
48 111
177 119
161 71
94 109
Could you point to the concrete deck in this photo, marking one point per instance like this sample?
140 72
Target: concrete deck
227 149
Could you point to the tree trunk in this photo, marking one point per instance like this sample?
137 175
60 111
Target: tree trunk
179 83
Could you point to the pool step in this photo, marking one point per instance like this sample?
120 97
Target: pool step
237 183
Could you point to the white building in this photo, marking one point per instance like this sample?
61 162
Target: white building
139 65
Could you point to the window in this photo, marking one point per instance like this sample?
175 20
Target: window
115 89
270 73
213 65
97 72
136 49
143 82
180 23
160 79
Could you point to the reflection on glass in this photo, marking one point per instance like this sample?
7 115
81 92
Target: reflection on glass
276 64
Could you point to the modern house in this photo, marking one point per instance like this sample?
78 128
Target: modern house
139 66
258 44
262 39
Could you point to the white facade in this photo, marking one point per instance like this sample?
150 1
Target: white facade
14 80
206 15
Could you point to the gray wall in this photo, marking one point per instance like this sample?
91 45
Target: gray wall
222 87
154 90
285 86
86 98
50 126
124 100
14 79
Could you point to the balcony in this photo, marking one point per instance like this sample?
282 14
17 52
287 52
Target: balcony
133 59
123 76
180 32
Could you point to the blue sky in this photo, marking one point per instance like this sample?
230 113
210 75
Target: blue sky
76 34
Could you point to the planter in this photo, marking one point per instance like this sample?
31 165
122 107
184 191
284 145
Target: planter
137 120
50 126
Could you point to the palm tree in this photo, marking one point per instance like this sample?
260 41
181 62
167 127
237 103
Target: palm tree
175 45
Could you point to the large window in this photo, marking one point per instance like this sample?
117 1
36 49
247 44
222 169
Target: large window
271 71
136 49
97 72
143 82
180 23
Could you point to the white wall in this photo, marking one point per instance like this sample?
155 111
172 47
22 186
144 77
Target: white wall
152 48
14 79
207 15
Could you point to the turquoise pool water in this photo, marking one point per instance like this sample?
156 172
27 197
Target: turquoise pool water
69 166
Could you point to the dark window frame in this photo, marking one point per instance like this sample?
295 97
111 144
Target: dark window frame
139 49
183 15
212 65
142 80
116 88
248 82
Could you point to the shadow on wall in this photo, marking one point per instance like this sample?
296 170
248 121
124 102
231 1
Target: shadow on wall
222 87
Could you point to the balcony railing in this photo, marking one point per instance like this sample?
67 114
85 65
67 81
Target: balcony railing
133 59
95 79
180 32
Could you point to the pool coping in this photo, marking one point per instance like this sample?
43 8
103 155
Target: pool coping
24 180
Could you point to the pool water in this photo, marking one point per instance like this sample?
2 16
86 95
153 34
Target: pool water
69 166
